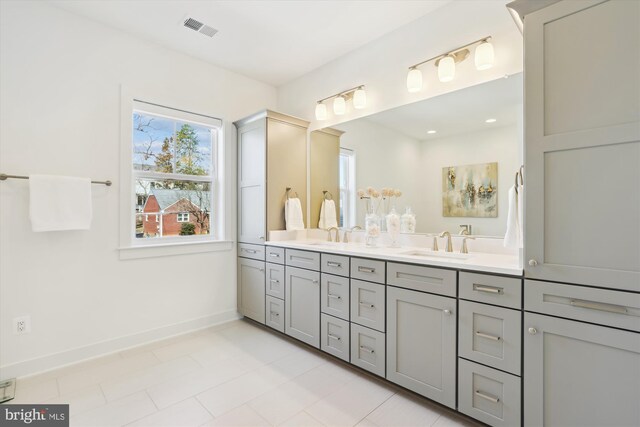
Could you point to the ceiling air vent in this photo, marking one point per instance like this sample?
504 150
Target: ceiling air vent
198 26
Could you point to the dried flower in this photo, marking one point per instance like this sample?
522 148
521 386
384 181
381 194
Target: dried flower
370 191
361 193
398 193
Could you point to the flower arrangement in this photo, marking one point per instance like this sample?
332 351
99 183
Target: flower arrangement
376 199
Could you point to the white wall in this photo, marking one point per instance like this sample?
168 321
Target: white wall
59 114
502 145
382 64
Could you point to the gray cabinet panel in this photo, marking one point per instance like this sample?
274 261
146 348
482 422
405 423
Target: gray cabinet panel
367 349
490 335
368 269
251 251
252 175
274 313
251 292
497 290
302 302
578 374
334 291
605 307
302 259
275 280
367 304
335 264
275 254
334 335
425 279
488 395
421 343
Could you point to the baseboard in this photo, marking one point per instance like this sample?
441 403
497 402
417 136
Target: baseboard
53 361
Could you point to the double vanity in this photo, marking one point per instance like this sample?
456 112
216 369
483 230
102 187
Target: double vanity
444 325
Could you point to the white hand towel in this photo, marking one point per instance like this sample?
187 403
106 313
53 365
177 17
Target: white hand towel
328 217
59 203
293 214
513 236
520 200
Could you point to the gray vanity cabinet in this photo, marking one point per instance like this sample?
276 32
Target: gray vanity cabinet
579 374
421 343
302 305
252 175
251 289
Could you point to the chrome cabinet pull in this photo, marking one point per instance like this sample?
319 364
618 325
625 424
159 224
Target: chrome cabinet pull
488 336
366 304
274 281
533 262
366 269
367 349
315 282
275 313
488 289
335 337
334 296
262 270
486 396
250 251
447 312
334 264
532 331
274 255
600 306
261 237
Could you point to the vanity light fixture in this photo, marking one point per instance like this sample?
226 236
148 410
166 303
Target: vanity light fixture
431 132
357 94
446 63
490 121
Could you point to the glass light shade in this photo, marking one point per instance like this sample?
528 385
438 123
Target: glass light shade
414 80
359 98
339 106
446 69
321 111
484 56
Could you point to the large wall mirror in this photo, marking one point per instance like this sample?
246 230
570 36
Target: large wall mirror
453 157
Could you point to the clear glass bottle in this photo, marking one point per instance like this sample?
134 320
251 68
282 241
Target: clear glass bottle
393 227
408 222
371 229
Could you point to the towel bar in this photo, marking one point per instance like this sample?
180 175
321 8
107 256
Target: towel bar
4 177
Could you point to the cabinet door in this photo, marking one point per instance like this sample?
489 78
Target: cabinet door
421 343
579 374
252 157
251 289
275 280
582 143
302 299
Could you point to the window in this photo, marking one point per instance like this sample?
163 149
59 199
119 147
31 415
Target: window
347 188
174 175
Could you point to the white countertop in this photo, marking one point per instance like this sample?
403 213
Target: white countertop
479 261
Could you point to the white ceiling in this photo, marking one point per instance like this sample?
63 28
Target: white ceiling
458 112
271 41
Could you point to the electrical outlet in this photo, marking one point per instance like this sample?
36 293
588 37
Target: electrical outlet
22 325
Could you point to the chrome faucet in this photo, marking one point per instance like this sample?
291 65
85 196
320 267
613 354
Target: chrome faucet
337 234
434 247
464 249
347 232
465 229
449 244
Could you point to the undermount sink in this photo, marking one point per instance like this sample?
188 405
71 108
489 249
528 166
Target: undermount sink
430 254
316 243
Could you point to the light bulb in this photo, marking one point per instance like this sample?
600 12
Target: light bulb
339 106
321 111
414 80
446 69
484 56
359 98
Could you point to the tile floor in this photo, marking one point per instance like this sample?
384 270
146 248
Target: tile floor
237 374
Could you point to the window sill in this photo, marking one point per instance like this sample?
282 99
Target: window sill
169 249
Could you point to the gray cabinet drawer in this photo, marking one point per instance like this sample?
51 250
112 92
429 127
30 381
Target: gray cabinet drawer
368 349
367 304
497 290
488 395
334 336
425 279
275 280
367 269
246 250
335 264
275 254
334 295
490 335
302 259
606 307
275 313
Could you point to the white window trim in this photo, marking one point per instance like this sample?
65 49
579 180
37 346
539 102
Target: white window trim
129 248
350 209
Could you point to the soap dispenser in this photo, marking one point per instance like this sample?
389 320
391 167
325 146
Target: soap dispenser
408 222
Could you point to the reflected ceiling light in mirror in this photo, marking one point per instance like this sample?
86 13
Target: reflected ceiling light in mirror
321 111
414 80
431 132
359 98
490 121
484 56
339 106
446 63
